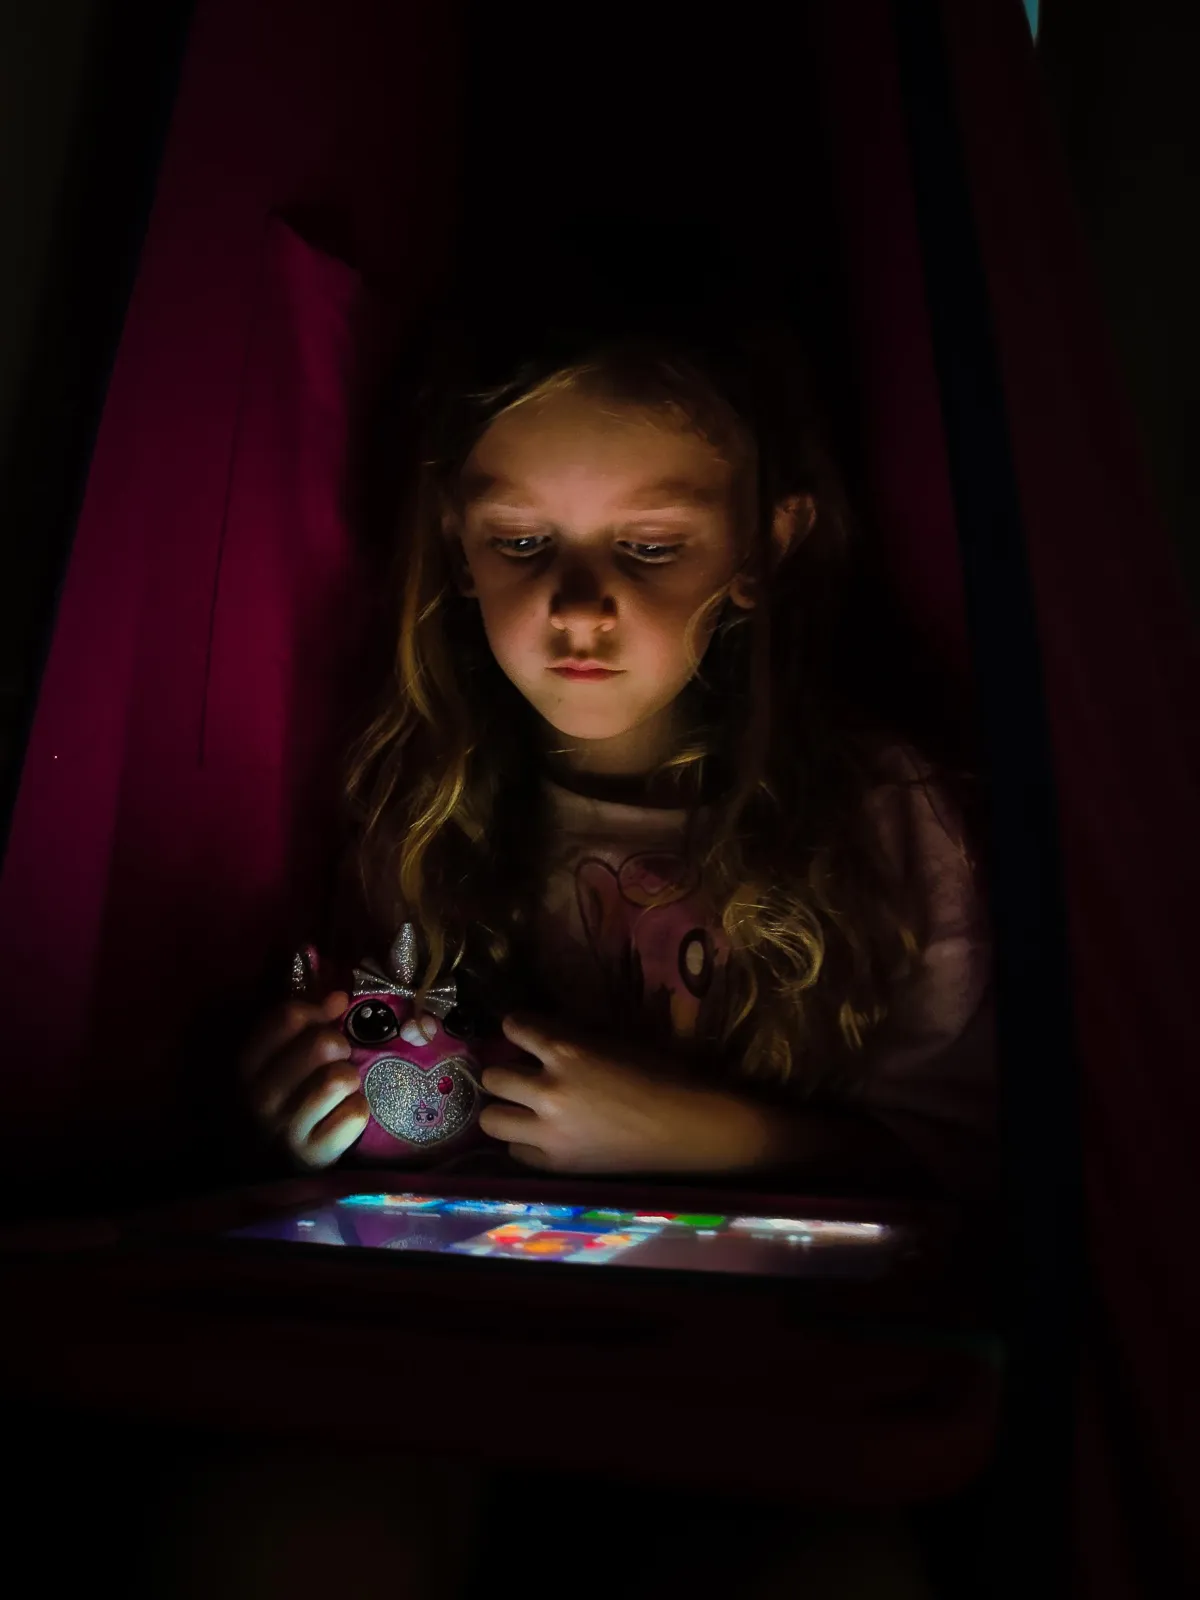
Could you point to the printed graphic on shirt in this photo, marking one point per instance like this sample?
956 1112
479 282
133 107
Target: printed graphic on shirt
661 966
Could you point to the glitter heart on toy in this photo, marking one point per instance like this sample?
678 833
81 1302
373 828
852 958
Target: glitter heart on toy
420 1077
423 1105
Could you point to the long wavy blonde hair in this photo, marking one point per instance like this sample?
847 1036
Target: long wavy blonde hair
775 767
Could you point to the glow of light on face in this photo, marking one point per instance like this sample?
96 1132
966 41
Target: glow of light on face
586 495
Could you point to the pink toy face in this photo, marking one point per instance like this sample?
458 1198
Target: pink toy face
422 1092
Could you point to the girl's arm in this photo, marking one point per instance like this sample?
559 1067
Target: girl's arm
920 1116
592 1106
824 1147
921 1103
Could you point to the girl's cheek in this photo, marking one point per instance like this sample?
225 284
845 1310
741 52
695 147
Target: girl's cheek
516 627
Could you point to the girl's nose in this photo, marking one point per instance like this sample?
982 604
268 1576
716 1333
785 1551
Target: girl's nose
600 615
582 602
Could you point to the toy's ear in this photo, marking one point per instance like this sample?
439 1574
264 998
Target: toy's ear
305 978
402 958
793 522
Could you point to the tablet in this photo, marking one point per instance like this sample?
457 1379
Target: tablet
764 1246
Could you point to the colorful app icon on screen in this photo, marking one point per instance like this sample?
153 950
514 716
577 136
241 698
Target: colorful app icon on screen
564 1245
629 1219
487 1208
392 1202
659 1219
601 1247
679 1219
523 1237
529 1240
496 1241
508 1232
551 1242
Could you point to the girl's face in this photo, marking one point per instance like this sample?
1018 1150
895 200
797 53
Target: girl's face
592 535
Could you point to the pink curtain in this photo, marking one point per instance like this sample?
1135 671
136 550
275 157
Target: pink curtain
1121 668
166 839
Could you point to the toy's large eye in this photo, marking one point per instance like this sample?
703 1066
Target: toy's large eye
372 1022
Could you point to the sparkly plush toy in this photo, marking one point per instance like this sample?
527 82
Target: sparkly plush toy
421 1078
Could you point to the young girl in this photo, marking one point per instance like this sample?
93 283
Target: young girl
618 779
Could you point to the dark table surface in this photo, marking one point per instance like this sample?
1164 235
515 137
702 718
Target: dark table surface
851 1394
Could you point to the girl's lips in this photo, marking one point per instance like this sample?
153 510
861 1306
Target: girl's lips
580 673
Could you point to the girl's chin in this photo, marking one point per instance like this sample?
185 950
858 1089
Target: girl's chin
592 731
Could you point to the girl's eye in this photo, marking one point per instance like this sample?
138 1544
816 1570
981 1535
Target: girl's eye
521 547
657 555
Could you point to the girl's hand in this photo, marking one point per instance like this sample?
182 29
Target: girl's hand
302 1090
593 1108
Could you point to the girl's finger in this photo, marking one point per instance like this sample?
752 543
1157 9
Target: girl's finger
505 1123
286 1023
530 1156
324 1091
536 1035
521 1088
335 1133
277 1084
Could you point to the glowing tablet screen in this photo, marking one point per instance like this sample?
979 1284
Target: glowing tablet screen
589 1236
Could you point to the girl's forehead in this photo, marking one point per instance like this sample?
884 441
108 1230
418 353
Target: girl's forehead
566 438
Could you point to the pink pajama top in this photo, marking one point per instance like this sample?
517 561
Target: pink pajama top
624 939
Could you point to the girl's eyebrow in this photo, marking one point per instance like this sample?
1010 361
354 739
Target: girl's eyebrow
664 492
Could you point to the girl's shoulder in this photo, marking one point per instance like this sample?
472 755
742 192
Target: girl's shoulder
890 763
898 774
916 816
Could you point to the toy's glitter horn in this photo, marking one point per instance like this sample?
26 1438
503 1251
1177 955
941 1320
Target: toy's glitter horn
400 979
